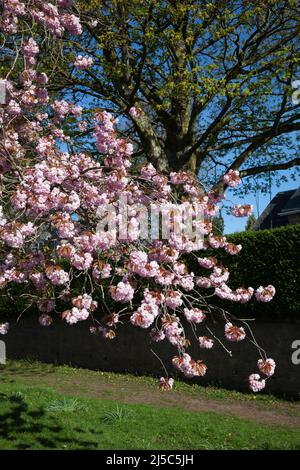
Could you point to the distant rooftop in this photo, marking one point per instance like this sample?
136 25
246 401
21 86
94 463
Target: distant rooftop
293 204
276 214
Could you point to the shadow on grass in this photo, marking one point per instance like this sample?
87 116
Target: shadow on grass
34 429
26 368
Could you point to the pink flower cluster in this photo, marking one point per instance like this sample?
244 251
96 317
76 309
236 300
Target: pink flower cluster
53 18
267 366
134 112
256 383
242 210
166 384
265 294
45 320
194 315
241 294
173 330
144 315
83 62
57 275
232 249
173 299
205 342
122 292
232 178
207 263
49 224
85 301
188 366
30 50
75 315
234 333
4 327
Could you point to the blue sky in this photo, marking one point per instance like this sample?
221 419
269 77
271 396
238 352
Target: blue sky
259 202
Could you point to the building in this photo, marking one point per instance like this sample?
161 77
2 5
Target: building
284 209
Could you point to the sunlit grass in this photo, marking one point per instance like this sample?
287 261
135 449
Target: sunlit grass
40 418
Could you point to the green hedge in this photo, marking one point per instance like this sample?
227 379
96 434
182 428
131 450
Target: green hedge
267 257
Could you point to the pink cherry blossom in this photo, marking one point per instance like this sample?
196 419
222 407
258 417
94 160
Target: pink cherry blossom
155 297
188 366
122 292
134 112
173 299
267 366
101 270
4 327
194 315
112 319
265 294
75 315
232 249
83 62
71 23
82 261
234 333
46 305
207 263
13 108
166 384
65 3
205 342
242 210
50 223
256 384
30 49
173 330
85 301
15 6
243 295
216 241
204 282
232 178
157 335
57 275
148 171
45 320
141 318
61 108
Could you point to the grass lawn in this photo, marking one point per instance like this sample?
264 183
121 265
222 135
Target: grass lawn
34 415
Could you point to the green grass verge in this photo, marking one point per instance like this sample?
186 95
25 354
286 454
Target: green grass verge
23 370
34 417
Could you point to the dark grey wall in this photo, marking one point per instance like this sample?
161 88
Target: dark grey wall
130 352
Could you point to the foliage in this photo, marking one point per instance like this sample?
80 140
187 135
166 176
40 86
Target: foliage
67 405
213 81
118 414
267 254
218 224
250 222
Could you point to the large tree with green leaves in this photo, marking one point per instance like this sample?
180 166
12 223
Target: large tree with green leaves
212 80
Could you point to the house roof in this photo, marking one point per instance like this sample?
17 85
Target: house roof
293 204
277 211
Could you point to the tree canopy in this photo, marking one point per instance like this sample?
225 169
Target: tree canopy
212 80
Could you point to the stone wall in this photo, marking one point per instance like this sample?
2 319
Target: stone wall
130 352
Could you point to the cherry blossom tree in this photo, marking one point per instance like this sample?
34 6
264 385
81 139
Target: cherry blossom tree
60 244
